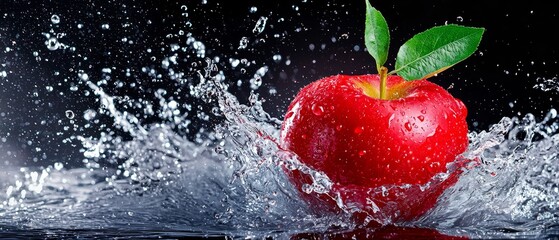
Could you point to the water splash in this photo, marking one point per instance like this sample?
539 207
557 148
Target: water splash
516 188
229 179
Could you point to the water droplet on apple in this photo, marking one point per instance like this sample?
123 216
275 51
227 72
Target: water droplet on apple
358 130
304 136
423 111
362 152
317 110
339 127
407 125
435 166
390 120
421 118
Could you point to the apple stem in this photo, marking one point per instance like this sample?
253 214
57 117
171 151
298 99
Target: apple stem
383 72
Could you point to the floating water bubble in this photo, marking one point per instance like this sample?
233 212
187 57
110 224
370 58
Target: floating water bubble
55 19
105 26
253 9
83 76
89 114
52 44
243 43
255 82
260 25
70 114
234 62
58 166
311 47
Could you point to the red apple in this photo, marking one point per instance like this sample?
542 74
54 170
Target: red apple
378 153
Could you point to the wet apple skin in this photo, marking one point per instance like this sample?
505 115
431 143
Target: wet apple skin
339 126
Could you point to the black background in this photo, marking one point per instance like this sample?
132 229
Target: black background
518 50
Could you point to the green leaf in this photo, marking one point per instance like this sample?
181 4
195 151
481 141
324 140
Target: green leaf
435 50
377 36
